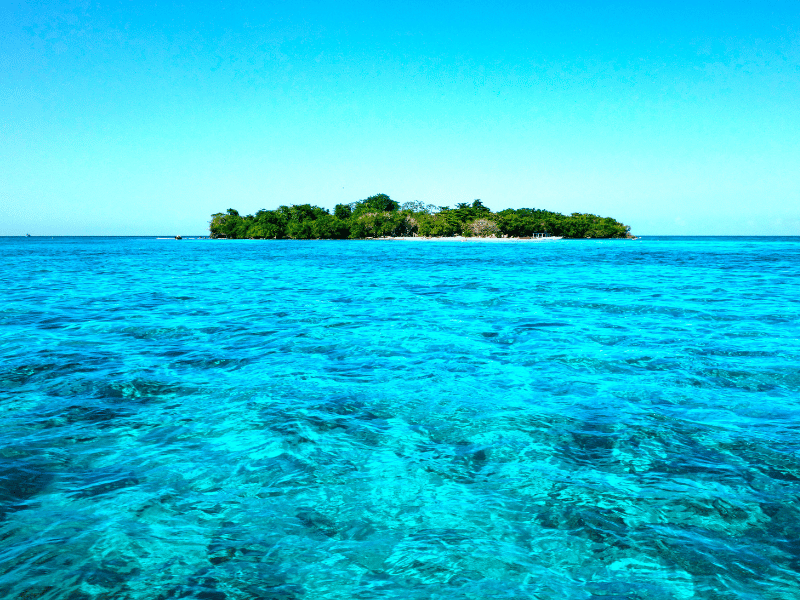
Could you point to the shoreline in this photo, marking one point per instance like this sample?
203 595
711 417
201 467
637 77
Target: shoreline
468 239
416 239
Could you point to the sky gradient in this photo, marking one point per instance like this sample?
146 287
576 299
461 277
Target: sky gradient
138 118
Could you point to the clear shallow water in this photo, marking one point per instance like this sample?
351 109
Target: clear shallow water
308 420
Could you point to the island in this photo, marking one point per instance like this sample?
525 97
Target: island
381 217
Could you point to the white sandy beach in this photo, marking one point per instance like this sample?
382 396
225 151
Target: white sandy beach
469 239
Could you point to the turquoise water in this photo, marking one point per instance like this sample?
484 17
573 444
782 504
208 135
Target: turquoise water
306 420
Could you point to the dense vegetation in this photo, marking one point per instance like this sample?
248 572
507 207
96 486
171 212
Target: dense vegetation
380 216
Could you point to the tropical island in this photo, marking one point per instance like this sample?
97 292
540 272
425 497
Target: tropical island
381 217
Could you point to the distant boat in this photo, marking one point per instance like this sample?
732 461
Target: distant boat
177 237
27 235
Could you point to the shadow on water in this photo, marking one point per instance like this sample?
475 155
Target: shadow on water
21 481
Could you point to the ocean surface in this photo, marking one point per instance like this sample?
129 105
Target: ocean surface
602 419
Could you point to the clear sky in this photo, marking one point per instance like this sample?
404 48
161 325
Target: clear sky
133 117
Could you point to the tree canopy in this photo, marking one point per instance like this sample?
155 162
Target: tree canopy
380 216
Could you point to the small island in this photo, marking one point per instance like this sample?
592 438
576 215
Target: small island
381 217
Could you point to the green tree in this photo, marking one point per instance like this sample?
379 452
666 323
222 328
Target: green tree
374 204
270 224
329 227
379 216
343 211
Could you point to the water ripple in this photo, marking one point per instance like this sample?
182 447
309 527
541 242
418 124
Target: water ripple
296 420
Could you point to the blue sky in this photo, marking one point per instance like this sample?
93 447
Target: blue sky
126 118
